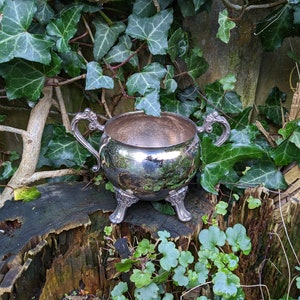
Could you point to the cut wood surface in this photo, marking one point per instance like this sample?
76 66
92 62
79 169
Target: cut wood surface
46 245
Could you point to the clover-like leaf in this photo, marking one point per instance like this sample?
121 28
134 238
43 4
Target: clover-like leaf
154 30
186 258
141 278
148 292
149 103
179 276
105 37
253 202
65 27
225 25
211 237
163 235
238 239
170 255
225 285
147 80
122 51
143 248
230 260
221 208
199 275
15 40
118 291
95 78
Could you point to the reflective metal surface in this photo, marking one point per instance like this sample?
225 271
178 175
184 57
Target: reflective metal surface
148 158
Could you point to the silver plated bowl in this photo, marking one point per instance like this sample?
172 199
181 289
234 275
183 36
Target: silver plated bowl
148 158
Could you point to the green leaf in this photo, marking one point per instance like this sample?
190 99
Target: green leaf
95 78
211 237
143 248
149 103
264 173
64 149
141 278
238 239
7 170
196 63
298 282
122 51
178 44
149 292
23 79
245 135
147 80
228 82
170 255
186 258
230 260
44 12
225 26
276 27
164 207
228 102
26 193
253 202
187 7
15 40
72 63
153 30
105 37
273 108
65 27
201 273
221 208
169 84
143 8
119 290
163 235
125 265
218 162
225 284
179 276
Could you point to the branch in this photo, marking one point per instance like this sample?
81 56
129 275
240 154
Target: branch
10 129
237 7
62 108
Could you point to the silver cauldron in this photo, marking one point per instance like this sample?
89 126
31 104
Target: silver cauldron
148 158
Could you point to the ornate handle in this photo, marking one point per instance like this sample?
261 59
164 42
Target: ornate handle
209 120
93 125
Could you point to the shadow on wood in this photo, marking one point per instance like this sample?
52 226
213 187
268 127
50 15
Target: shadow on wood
53 245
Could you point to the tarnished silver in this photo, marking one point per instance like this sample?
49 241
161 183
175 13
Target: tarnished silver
148 158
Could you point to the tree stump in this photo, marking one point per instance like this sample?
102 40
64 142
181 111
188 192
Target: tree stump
54 244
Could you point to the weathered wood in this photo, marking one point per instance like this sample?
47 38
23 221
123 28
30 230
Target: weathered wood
54 244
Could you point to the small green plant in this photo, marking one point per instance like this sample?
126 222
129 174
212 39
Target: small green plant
152 266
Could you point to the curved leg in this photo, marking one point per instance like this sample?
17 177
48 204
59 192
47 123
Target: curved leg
124 199
176 198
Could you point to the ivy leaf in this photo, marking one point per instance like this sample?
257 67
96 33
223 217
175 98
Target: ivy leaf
147 80
178 44
219 161
164 208
264 173
122 51
211 237
154 30
149 103
143 8
228 82
179 276
238 239
44 12
7 170
295 136
228 102
63 149
26 193
149 292
23 79
95 78
185 108
225 284
65 27
244 136
253 202
105 37
225 26
15 40
170 255
196 63
276 27
272 109
169 84
72 63
141 278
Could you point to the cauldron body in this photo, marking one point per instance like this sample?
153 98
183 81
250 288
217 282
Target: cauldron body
148 158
